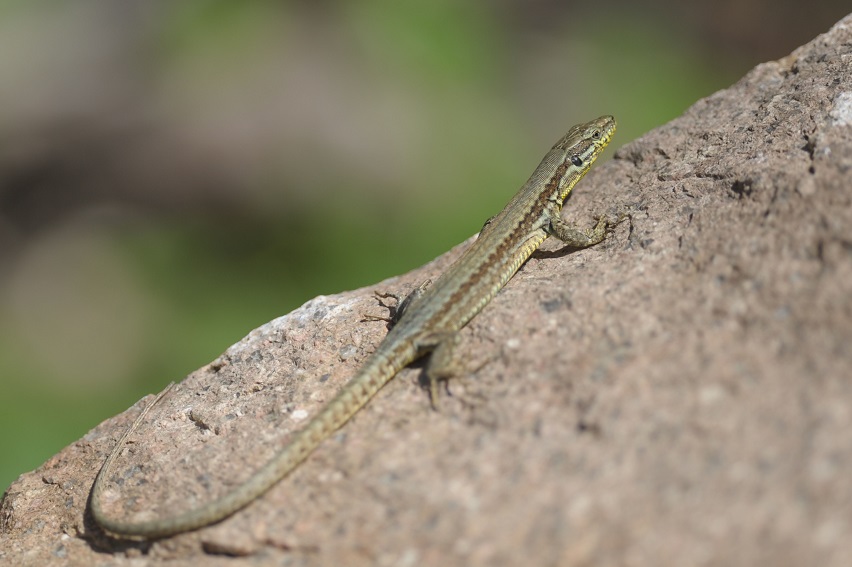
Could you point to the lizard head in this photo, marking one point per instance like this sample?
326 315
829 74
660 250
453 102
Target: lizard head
579 149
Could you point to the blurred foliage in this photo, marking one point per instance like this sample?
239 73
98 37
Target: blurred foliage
173 175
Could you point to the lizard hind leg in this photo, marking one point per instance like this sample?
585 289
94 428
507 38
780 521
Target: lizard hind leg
402 304
442 365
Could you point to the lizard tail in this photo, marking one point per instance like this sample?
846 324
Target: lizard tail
375 373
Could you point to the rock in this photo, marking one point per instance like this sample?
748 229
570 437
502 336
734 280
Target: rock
679 395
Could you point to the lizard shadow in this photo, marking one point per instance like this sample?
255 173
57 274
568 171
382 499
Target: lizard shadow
100 541
560 252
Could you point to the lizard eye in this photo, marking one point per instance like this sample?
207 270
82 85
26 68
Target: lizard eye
577 161
596 134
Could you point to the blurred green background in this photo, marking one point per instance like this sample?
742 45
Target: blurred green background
174 174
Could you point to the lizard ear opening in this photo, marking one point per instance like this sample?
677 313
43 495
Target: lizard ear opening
577 161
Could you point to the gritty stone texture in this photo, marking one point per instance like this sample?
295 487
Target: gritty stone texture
679 395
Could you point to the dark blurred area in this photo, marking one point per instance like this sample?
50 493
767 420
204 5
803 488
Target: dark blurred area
173 174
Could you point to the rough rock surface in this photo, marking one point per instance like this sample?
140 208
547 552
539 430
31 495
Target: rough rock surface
679 395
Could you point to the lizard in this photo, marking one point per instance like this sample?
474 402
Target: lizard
427 321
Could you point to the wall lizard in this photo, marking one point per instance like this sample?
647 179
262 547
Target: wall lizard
427 321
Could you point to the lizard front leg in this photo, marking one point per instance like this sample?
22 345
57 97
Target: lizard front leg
576 237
